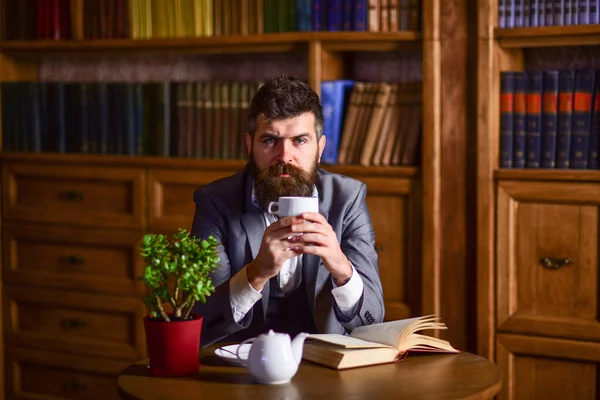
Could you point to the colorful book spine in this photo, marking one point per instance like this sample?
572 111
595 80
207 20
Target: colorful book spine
518 13
548 12
509 12
319 15
520 111
334 16
584 15
559 12
534 119
348 13
582 115
593 162
507 89
360 15
536 12
594 8
549 118
334 97
526 9
566 85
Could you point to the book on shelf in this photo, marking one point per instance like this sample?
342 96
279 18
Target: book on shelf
381 343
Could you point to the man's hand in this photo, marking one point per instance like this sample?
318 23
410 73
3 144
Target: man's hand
275 249
321 236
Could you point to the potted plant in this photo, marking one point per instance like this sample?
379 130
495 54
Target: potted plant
177 275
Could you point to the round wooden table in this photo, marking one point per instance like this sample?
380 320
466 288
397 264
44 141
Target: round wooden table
419 376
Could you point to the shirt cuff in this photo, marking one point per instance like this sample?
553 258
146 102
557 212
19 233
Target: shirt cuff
347 296
242 295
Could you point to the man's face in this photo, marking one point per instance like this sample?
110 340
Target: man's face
284 157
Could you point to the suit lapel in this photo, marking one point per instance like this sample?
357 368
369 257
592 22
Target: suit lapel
253 222
316 278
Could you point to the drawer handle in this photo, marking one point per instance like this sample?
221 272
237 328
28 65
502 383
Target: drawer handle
73 323
71 195
555 263
73 260
379 249
75 386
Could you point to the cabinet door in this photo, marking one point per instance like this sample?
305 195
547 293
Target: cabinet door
75 195
172 196
97 261
38 375
392 205
74 323
545 368
547 258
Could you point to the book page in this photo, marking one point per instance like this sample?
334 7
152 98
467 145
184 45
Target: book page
346 341
389 333
427 343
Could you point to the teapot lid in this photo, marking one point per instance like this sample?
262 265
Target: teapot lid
272 333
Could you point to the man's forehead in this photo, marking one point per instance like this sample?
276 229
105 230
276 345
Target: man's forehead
306 117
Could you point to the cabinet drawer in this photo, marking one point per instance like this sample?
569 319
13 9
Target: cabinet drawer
36 375
172 196
547 258
74 323
392 208
92 196
545 368
90 260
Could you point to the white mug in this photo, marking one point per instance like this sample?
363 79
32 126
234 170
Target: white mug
293 206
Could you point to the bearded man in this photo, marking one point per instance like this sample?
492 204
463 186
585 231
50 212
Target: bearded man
269 277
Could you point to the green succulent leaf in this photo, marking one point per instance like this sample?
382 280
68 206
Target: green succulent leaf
176 268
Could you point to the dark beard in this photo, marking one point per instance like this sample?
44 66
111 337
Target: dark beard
269 186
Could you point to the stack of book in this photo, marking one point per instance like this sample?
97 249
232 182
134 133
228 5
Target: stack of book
550 119
371 124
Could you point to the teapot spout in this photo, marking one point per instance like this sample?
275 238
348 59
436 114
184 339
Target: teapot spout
298 346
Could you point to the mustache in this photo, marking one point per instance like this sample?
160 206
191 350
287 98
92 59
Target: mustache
282 168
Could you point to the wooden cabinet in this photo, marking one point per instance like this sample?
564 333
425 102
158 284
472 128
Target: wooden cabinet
547 259
547 328
71 287
538 239
546 368
74 195
36 375
71 261
394 211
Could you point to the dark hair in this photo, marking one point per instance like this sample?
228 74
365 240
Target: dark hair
282 98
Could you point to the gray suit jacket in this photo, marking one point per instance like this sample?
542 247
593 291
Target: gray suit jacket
224 210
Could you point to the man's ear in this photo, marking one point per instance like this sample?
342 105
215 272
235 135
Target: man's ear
322 142
249 143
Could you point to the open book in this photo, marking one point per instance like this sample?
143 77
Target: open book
375 344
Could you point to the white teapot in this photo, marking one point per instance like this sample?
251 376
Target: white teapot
273 357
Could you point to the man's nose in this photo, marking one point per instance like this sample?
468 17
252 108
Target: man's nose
285 151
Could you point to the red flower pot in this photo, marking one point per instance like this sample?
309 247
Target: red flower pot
173 347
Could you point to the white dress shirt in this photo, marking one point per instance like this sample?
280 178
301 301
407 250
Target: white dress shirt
243 296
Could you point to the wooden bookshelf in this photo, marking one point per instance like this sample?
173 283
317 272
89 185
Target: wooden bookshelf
548 36
266 43
537 239
420 211
192 163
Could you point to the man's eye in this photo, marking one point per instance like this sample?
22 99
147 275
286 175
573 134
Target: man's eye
269 140
300 141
